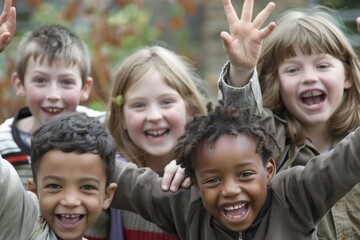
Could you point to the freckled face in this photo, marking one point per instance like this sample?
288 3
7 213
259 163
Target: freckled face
72 192
232 180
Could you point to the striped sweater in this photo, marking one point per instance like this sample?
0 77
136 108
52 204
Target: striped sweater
16 151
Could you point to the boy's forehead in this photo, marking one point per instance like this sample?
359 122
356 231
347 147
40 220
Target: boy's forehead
227 153
59 163
43 60
227 141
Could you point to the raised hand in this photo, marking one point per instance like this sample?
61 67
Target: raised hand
243 44
7 24
174 178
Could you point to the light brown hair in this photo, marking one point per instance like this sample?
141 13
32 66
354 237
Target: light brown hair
178 73
311 32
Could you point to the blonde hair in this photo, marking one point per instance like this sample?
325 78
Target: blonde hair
315 32
53 44
177 73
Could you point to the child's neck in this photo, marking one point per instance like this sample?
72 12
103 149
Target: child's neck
29 124
320 137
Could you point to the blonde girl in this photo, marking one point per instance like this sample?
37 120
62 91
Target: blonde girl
155 92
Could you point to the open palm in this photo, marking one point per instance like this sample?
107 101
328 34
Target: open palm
243 44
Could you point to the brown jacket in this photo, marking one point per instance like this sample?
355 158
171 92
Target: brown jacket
297 199
343 220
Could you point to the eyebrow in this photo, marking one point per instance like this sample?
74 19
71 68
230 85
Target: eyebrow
214 170
86 179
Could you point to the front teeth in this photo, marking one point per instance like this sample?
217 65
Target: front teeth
312 94
231 208
156 132
53 110
70 216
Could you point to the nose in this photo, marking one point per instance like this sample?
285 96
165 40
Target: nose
70 198
53 93
154 113
231 187
309 75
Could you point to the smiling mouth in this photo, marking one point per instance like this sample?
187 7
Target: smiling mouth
313 97
236 211
69 219
157 133
52 110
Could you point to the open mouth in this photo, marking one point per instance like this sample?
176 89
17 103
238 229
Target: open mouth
236 211
313 97
69 220
157 133
52 110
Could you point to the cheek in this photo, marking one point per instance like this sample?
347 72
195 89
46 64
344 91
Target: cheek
34 95
178 117
288 93
133 123
46 204
208 198
258 191
286 88
72 98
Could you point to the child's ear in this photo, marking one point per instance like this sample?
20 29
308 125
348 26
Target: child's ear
17 85
109 194
31 186
348 81
86 89
270 170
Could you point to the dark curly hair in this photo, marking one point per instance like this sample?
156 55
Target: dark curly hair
74 132
223 120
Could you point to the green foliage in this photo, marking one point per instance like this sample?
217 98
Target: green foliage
111 32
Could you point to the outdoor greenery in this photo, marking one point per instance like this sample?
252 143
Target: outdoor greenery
112 29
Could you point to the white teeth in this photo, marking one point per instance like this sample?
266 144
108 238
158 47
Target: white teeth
312 94
156 132
53 110
70 215
230 208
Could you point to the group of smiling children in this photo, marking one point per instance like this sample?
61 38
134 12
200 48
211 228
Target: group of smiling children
286 100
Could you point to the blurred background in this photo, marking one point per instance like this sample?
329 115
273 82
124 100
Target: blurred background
114 28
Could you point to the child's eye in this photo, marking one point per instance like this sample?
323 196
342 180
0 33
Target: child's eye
53 186
67 82
39 80
211 181
138 105
245 174
291 70
323 66
88 187
167 102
